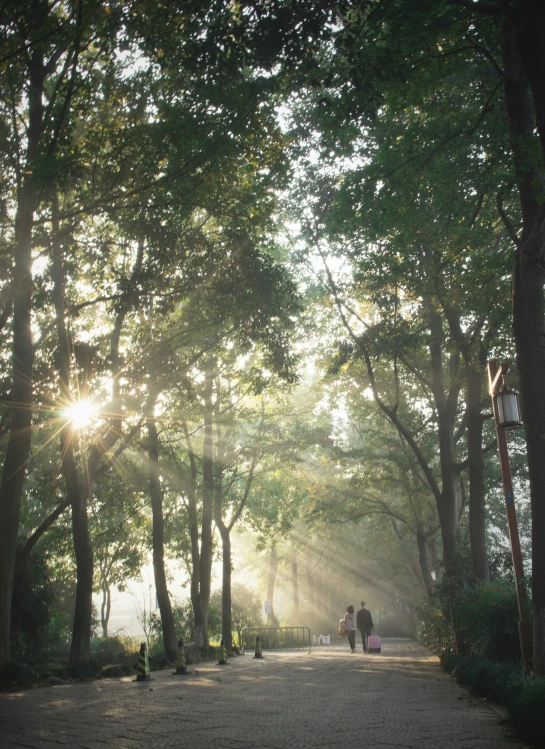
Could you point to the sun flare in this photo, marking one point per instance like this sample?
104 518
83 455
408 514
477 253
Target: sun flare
80 413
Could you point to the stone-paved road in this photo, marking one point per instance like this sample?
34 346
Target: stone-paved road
330 698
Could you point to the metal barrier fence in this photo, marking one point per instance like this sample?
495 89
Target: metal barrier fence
276 638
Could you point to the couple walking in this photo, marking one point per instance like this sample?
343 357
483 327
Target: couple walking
362 621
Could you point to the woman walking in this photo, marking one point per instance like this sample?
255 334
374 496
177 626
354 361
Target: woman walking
350 627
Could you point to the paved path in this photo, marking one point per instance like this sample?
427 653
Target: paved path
330 698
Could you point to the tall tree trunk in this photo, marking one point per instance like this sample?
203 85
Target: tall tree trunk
82 545
18 449
424 562
195 586
75 493
207 503
226 588
529 327
34 22
193 518
477 518
83 612
22 358
524 40
432 554
446 403
295 587
273 568
225 527
529 27
158 535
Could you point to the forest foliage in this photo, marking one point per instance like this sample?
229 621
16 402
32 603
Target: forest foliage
254 260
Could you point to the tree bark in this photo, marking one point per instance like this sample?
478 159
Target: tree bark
446 402
523 42
193 518
226 589
225 527
79 485
158 535
75 494
424 562
22 359
477 517
207 504
83 612
529 27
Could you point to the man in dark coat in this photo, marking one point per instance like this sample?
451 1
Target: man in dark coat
364 622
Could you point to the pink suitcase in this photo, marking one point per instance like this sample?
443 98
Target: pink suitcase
374 644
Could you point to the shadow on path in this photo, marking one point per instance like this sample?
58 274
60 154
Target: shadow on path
295 700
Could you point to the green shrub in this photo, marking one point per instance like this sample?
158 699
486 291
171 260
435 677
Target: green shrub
245 612
507 684
485 620
433 629
16 675
40 628
482 617
525 699
82 670
113 650
182 613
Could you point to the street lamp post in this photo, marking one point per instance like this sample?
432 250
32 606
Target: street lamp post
507 415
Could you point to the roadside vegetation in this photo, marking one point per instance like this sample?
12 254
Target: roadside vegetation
474 628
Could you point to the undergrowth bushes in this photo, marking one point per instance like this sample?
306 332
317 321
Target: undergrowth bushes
508 685
474 628
114 654
479 621
110 656
485 621
433 629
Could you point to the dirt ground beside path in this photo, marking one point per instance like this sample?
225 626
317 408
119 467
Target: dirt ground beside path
295 700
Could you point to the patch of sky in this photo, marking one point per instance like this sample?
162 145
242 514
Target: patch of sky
39 265
133 61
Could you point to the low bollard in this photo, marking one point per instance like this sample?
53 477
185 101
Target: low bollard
258 653
181 669
143 671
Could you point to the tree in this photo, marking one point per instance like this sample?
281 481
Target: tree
42 46
246 610
250 439
509 37
386 182
523 40
118 525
